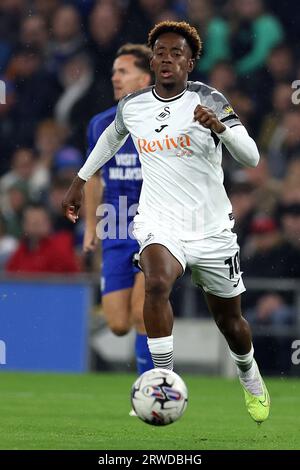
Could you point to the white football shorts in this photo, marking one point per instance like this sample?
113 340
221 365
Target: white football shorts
214 261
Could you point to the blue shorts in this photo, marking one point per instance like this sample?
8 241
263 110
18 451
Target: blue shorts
118 271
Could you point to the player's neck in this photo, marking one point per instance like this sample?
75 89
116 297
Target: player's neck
169 91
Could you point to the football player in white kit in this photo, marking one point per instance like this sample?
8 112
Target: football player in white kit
184 215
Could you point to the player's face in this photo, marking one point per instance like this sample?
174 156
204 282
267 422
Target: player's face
127 77
172 60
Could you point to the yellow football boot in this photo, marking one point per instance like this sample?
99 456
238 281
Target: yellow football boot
258 406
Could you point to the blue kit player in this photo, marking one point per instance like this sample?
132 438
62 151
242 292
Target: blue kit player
122 284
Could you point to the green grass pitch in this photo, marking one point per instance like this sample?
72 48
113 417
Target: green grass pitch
53 411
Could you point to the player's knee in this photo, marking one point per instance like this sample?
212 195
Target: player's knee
157 286
119 328
120 331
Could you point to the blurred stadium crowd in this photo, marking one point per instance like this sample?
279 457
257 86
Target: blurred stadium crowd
55 61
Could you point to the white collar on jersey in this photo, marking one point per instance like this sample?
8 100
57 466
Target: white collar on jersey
166 100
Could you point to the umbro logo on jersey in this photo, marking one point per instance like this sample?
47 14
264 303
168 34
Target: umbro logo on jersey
161 128
165 114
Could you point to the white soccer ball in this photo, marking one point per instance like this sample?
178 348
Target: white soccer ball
159 397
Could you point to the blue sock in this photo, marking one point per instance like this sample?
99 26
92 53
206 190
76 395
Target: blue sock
142 354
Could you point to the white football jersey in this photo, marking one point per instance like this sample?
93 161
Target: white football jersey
181 160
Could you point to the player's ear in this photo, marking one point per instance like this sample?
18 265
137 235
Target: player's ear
191 65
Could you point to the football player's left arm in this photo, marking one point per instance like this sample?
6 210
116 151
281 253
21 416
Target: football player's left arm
241 146
236 139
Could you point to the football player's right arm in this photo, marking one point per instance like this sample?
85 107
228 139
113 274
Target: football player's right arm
93 191
110 141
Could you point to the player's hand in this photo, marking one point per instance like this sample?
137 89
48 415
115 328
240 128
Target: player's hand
72 201
90 241
207 118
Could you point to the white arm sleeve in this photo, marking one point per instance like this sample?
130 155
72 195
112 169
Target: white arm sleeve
241 146
106 147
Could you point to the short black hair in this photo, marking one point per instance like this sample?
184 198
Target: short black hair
141 52
178 27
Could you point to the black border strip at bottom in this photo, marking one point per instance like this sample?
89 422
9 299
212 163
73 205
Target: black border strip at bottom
134 459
